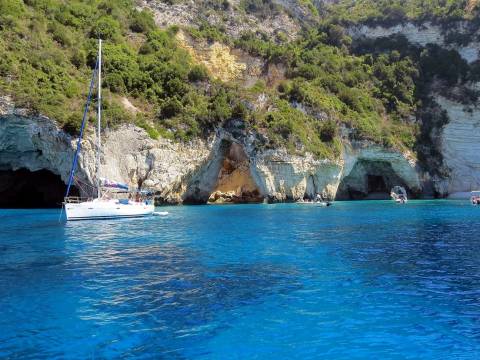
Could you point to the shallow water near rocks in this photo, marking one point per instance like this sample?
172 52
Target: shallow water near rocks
354 281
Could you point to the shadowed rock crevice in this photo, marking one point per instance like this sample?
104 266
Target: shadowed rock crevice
225 178
370 180
26 189
235 183
310 190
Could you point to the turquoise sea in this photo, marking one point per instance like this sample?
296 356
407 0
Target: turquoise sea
359 280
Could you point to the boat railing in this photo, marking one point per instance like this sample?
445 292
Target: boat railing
135 196
76 199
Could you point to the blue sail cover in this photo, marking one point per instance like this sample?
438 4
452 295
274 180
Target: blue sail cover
113 184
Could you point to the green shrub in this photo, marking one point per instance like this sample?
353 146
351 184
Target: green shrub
141 21
106 28
198 73
262 8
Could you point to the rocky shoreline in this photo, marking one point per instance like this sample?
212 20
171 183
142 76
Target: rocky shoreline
230 166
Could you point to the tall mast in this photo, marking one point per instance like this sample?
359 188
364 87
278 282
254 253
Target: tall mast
99 115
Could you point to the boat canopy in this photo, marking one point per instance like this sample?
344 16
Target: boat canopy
399 191
475 192
113 184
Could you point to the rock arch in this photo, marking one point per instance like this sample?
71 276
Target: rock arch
225 178
35 160
370 174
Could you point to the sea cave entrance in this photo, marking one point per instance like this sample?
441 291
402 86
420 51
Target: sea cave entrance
369 180
24 189
235 183
225 179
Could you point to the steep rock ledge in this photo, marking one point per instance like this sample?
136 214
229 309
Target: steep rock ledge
234 21
186 173
457 169
35 143
370 172
284 177
32 142
460 148
421 34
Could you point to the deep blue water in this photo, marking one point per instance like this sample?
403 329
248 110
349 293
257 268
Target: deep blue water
359 280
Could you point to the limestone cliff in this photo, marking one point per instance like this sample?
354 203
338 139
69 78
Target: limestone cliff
423 34
457 171
231 161
234 21
460 147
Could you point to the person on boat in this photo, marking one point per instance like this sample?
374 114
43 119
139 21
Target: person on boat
475 200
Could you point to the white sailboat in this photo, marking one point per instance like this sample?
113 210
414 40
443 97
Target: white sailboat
112 199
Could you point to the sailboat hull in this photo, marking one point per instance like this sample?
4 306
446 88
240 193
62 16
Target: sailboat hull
107 209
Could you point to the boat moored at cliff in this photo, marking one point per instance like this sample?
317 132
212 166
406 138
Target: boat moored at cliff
116 201
111 199
399 195
318 200
475 198
81 209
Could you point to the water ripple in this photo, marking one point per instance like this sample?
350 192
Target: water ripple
355 281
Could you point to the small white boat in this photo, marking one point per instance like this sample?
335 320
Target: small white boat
318 201
475 198
112 199
399 195
161 213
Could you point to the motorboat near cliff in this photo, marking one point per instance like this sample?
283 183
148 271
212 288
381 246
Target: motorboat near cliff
475 198
399 195
318 200
111 199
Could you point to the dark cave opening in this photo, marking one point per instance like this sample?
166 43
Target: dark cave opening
24 189
376 184
369 180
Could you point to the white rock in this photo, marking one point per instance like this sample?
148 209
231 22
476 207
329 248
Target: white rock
182 172
461 146
426 33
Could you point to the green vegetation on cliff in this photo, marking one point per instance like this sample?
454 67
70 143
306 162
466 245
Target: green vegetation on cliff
330 87
387 12
49 50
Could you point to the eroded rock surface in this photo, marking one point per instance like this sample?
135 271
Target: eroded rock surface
230 165
235 22
370 171
284 177
235 183
454 165
460 148
422 34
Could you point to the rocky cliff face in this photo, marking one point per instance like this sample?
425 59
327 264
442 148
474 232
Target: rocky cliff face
460 147
455 140
233 166
231 161
33 143
234 21
423 34
370 172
